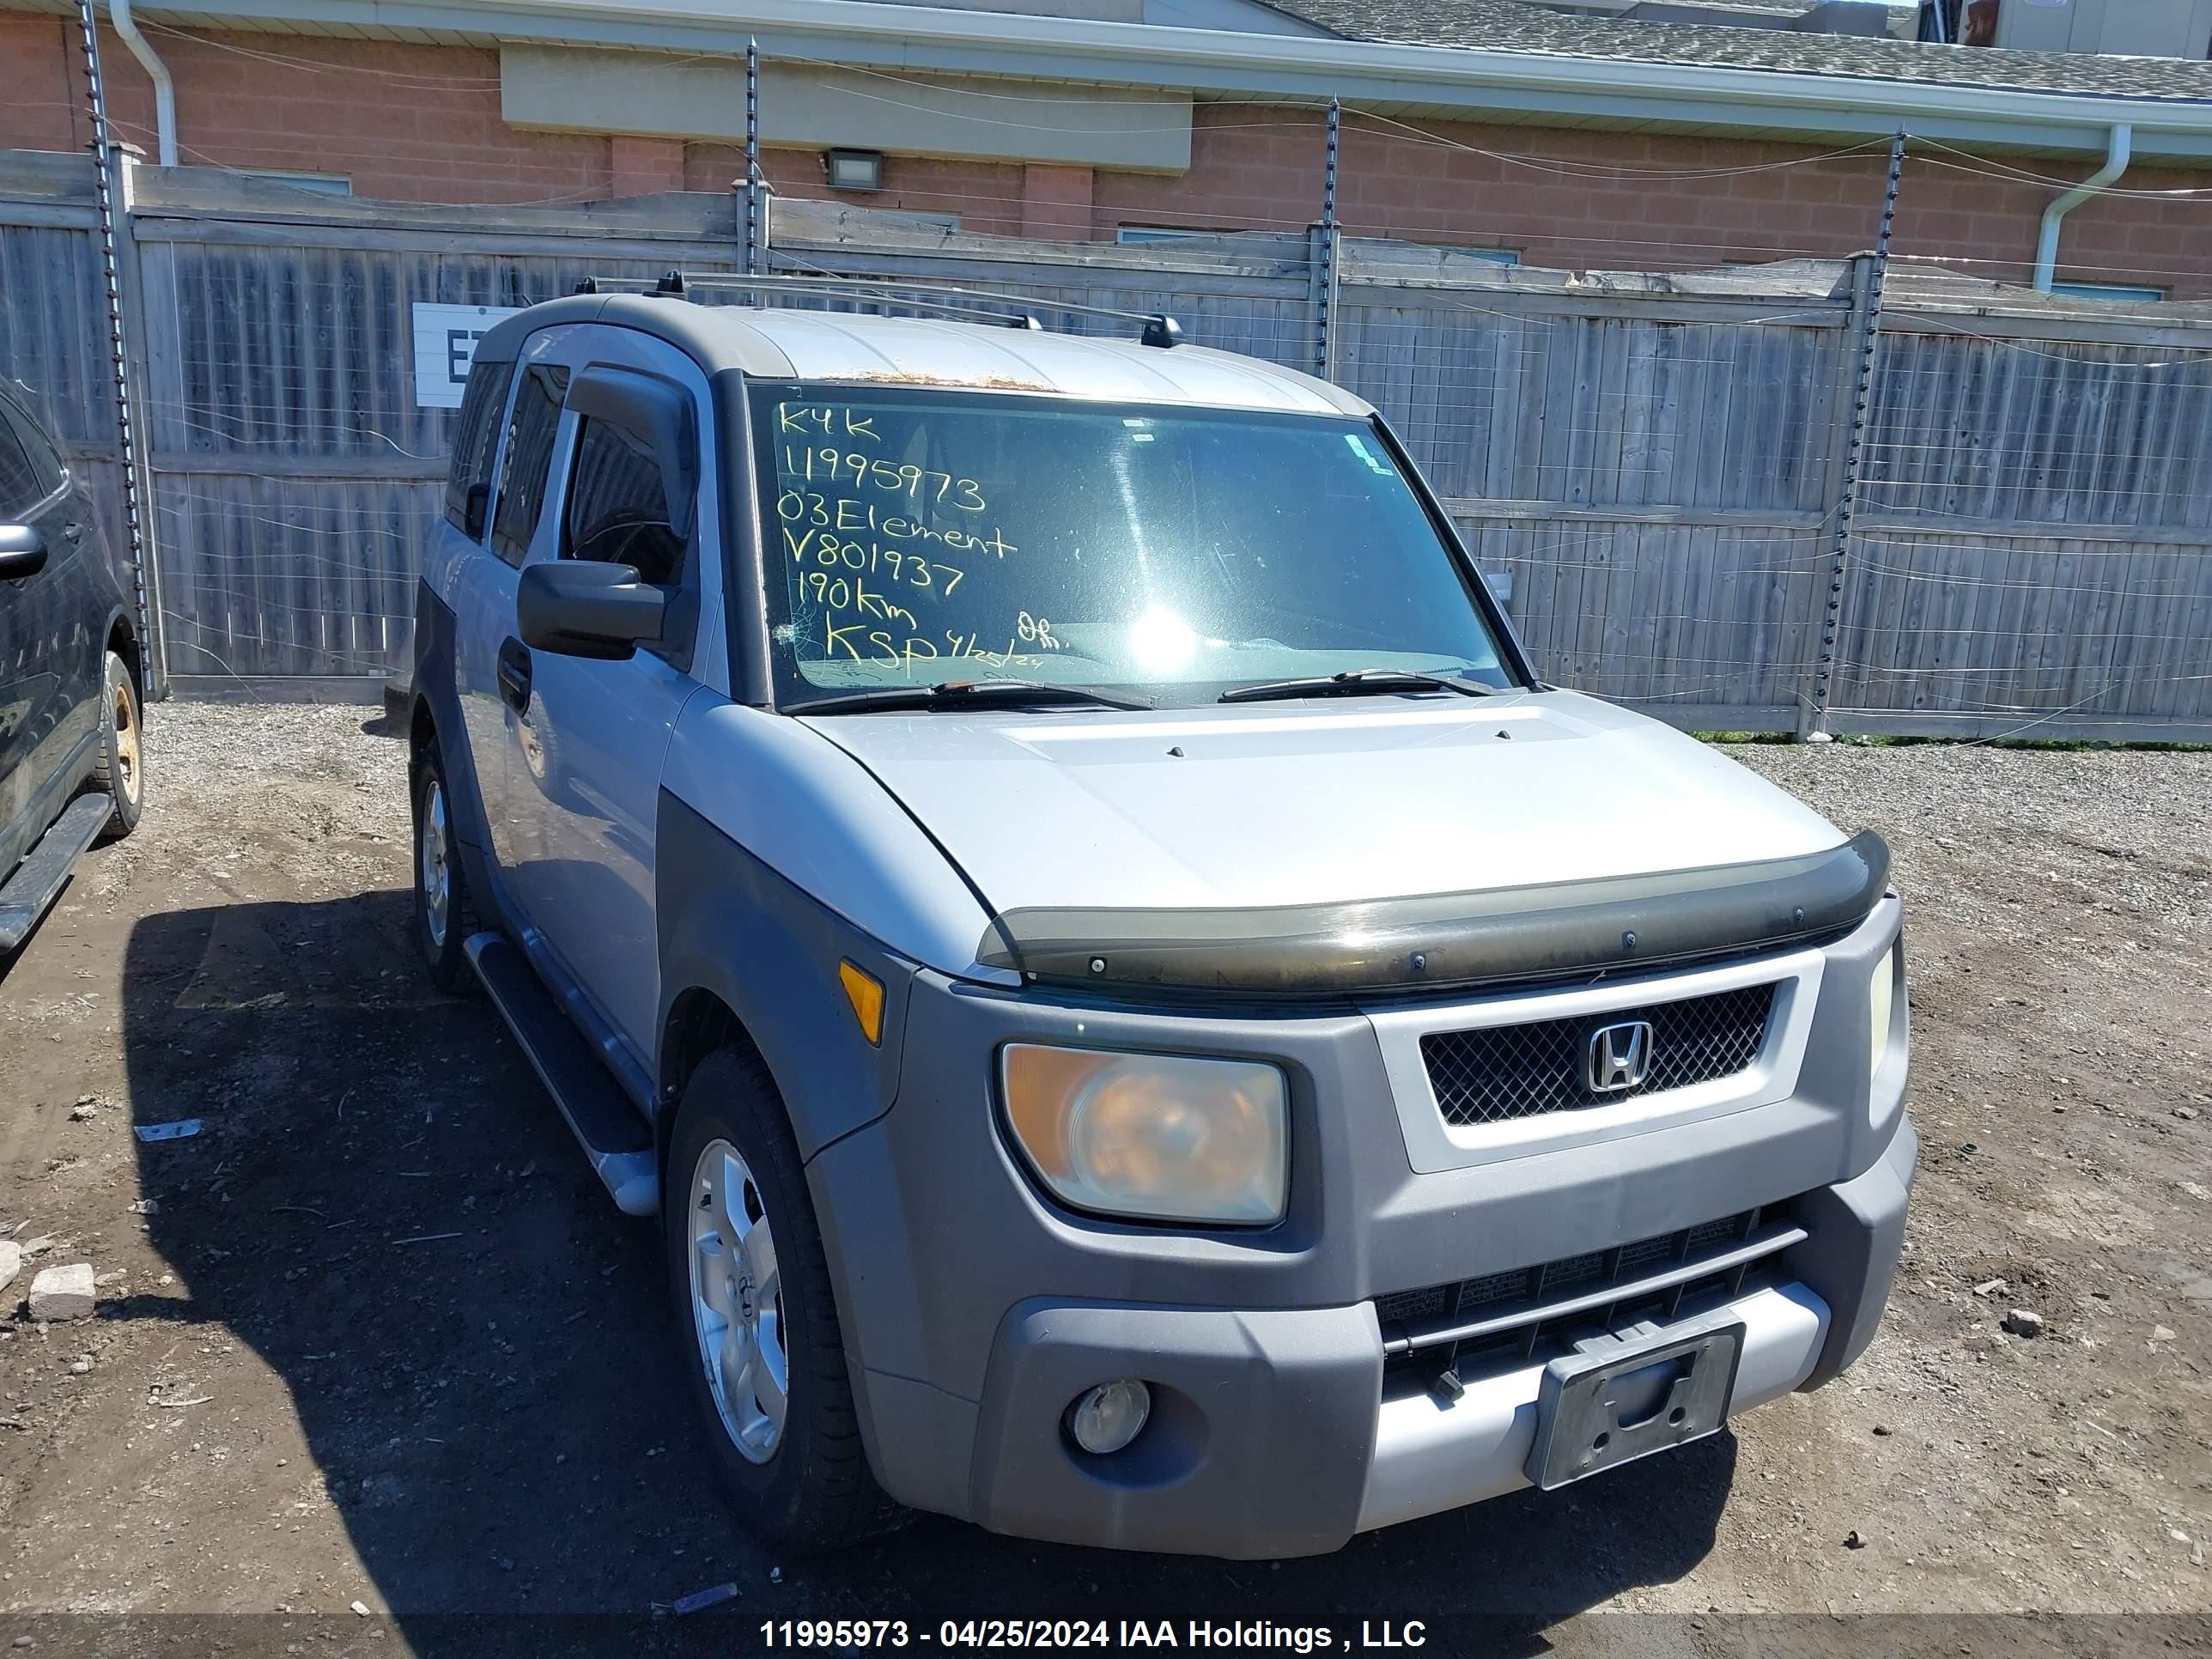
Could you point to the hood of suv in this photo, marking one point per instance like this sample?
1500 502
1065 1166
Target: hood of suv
1319 802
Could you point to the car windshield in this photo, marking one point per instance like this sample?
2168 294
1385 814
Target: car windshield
919 537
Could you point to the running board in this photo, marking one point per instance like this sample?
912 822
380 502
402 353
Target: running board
38 881
608 1127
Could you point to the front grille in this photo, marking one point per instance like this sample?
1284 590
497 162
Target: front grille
1495 1073
1528 1314
1553 1281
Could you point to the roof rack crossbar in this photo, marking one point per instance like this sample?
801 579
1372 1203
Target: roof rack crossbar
1159 329
946 287
885 294
676 284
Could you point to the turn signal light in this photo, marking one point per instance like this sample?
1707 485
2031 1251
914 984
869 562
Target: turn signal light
866 993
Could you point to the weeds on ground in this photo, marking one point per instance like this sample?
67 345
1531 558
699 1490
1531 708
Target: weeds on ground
1867 740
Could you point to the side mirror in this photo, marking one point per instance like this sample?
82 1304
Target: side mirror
575 608
22 551
474 509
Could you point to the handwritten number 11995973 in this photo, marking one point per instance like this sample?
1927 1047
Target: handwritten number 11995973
917 483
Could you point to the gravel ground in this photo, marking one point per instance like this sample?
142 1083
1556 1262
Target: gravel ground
374 1335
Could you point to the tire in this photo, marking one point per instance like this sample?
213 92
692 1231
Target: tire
805 1487
441 928
119 773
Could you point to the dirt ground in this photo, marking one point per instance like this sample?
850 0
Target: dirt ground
375 1335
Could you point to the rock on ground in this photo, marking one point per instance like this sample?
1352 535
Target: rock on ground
62 1293
12 1262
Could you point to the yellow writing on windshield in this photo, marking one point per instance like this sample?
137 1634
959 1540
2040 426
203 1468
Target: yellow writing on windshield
890 649
829 464
806 420
872 542
807 509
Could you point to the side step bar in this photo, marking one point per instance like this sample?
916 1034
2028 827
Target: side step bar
608 1127
38 879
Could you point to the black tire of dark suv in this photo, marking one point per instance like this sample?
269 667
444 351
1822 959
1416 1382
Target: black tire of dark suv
120 772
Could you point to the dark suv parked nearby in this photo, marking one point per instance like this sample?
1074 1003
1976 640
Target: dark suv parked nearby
71 678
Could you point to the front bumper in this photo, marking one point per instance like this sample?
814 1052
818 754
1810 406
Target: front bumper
974 1310
1269 1439
1431 1456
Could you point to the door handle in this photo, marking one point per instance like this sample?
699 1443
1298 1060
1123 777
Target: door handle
515 675
74 531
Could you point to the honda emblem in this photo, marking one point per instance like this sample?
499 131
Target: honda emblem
1620 1057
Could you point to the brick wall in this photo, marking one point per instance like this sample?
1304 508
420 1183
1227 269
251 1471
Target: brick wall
987 196
423 123
42 105
1570 198
1625 200
406 122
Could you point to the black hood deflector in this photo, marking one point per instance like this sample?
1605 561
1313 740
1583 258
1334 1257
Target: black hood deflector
1452 941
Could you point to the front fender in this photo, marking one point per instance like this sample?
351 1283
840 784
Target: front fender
732 925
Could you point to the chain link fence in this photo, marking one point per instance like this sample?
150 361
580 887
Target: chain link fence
1653 467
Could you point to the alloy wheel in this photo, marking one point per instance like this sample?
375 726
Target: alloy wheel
737 1302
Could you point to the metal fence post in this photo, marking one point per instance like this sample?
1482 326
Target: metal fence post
1322 258
752 160
1868 273
137 528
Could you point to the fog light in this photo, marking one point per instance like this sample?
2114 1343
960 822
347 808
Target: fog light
1107 1417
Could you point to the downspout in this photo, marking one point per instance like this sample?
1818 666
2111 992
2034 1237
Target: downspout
165 90
2116 152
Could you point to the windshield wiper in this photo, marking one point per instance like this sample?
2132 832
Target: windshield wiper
968 694
1357 682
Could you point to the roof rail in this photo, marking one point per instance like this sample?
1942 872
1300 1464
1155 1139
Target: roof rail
1158 329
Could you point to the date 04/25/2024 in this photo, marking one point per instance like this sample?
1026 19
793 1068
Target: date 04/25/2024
959 1634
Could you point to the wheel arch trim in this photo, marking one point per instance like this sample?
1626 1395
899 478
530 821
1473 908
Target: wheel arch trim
737 937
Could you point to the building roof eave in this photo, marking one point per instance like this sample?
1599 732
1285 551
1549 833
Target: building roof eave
1466 82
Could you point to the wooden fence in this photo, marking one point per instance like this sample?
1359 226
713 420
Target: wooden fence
53 324
1651 467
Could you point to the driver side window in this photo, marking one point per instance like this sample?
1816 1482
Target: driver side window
619 506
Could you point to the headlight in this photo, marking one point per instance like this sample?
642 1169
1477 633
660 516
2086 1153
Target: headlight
1881 992
1159 1136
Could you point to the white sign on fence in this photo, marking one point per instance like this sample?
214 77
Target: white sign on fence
445 343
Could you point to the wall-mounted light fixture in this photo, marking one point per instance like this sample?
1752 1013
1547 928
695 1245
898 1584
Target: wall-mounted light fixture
854 170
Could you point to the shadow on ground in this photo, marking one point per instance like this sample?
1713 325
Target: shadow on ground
481 1351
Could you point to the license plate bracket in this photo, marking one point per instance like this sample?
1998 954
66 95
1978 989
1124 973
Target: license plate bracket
1597 1409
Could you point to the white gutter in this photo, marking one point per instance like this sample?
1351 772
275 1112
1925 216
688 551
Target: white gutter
165 90
2046 242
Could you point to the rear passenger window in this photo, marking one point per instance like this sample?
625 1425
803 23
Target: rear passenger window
476 438
619 510
529 458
